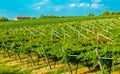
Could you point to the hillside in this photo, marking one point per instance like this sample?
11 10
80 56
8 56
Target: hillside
60 45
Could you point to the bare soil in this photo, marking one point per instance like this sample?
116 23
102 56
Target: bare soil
84 70
5 59
46 69
12 63
117 72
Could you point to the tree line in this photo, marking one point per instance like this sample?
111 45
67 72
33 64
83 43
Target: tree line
3 18
105 13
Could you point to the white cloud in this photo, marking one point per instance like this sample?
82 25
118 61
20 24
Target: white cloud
96 5
72 5
37 8
84 5
88 5
93 4
38 5
57 8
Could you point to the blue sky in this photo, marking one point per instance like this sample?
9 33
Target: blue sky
12 8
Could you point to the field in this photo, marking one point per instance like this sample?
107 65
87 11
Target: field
72 45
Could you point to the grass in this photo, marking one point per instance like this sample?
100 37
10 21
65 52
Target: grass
62 70
8 70
5 69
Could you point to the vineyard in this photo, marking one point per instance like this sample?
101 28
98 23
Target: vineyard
93 44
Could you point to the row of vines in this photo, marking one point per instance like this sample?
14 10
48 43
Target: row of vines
72 43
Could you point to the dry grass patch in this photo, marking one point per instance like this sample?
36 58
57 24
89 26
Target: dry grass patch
46 69
117 72
84 70
12 63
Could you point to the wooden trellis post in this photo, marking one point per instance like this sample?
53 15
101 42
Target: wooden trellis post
97 54
46 57
66 62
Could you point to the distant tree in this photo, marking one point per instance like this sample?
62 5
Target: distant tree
91 14
42 16
2 18
106 12
33 18
118 13
62 16
52 16
112 13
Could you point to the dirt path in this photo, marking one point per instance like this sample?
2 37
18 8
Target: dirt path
46 69
84 70
12 63
117 72
27 66
16 62
5 59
